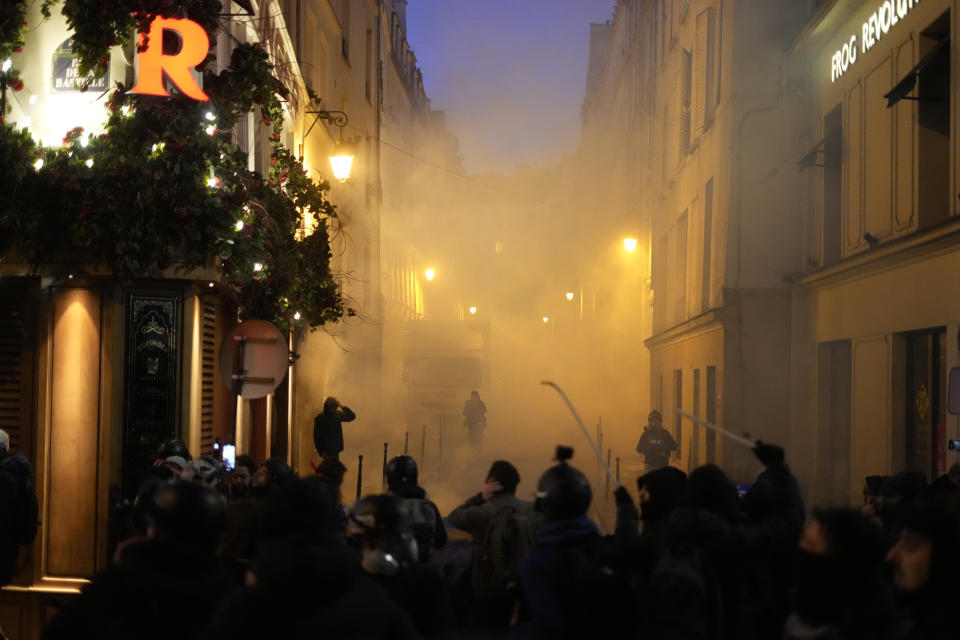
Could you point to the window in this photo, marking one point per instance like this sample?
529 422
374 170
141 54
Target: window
933 119
707 70
832 214
680 268
368 67
345 29
707 246
695 431
686 85
678 406
711 414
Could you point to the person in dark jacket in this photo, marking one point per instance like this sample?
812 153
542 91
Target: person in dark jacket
656 444
15 474
659 494
328 428
494 604
840 591
173 573
568 578
926 561
475 419
425 518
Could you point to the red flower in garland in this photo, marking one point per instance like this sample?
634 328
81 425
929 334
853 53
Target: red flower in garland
17 85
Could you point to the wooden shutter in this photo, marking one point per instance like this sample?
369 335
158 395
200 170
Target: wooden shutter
208 373
17 348
700 73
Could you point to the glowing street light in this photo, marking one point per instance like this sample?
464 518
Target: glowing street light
341 160
569 296
429 274
630 244
473 311
545 319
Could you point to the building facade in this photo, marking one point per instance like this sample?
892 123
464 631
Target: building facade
875 307
69 391
689 103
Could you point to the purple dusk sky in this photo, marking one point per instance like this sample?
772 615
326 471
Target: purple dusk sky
510 74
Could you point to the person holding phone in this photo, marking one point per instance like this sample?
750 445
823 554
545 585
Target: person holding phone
328 429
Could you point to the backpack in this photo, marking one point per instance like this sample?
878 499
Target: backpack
507 539
423 518
594 596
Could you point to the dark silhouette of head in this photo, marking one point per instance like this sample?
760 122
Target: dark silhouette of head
563 492
401 473
506 474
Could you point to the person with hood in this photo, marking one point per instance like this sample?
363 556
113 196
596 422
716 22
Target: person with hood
304 575
926 561
656 444
568 577
18 507
428 528
488 516
328 428
660 491
475 419
840 591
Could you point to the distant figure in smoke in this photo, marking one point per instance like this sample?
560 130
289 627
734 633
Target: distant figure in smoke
475 419
656 444
328 428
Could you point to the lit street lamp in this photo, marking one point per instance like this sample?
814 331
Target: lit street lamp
629 244
473 311
341 160
429 274
569 296
546 319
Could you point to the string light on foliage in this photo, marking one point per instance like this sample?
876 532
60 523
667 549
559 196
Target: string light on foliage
209 116
126 110
38 164
84 139
89 162
6 65
210 285
296 316
258 267
239 225
211 130
213 182
33 98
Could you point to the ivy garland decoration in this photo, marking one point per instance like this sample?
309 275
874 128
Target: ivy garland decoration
165 187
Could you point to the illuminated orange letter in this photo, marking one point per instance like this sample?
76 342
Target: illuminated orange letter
153 62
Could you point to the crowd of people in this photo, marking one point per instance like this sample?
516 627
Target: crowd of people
260 552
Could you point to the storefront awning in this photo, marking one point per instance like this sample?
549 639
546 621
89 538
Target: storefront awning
906 85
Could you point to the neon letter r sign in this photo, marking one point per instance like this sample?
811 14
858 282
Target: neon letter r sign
154 63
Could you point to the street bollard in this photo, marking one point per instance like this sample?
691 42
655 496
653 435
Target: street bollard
618 470
406 442
608 477
360 477
384 466
423 444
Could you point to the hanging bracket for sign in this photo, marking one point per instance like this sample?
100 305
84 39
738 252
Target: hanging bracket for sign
254 359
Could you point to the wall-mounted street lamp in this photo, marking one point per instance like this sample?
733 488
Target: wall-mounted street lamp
569 296
629 244
429 274
341 160
473 311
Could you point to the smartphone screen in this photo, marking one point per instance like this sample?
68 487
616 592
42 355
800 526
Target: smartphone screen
229 456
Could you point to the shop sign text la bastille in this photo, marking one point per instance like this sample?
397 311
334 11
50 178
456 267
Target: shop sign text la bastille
153 62
875 27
